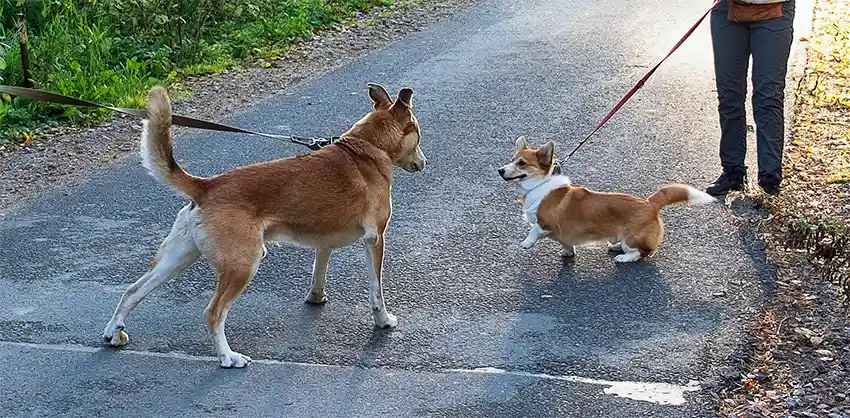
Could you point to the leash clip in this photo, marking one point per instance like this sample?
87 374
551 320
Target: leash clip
314 144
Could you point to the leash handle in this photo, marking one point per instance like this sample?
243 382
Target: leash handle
641 82
179 120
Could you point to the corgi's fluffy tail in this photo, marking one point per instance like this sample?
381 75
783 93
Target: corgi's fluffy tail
678 193
157 148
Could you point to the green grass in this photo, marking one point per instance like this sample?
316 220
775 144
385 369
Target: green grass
112 51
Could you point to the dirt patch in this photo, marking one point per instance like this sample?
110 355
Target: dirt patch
63 155
800 364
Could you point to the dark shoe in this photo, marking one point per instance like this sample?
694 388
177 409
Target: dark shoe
770 183
727 181
770 188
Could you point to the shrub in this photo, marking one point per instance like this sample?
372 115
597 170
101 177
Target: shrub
112 51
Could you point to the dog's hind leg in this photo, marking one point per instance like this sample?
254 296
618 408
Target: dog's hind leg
615 245
629 254
640 246
233 277
235 249
177 252
320 270
643 243
375 266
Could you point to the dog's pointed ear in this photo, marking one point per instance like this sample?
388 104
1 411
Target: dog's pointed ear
546 153
521 144
380 98
405 96
403 105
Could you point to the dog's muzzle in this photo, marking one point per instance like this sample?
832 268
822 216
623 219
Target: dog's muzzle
502 174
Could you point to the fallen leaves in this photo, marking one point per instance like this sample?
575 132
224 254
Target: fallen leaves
809 335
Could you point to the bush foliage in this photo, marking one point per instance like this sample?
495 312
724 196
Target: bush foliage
112 51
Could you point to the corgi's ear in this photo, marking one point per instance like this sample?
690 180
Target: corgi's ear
546 153
521 144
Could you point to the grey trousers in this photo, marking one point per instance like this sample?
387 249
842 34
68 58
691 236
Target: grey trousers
769 44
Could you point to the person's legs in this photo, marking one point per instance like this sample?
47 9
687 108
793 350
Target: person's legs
731 43
770 43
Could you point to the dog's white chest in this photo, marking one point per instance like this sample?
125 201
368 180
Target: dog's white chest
537 191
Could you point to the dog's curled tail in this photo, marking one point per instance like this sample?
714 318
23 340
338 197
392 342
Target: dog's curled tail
678 193
157 148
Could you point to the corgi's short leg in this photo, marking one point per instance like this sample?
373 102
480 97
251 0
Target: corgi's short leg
569 251
534 235
615 245
629 254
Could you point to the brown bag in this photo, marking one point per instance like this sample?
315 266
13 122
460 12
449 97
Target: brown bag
745 13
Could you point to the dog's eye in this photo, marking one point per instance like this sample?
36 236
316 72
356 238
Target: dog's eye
520 163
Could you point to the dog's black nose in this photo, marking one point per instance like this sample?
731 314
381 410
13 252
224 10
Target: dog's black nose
501 171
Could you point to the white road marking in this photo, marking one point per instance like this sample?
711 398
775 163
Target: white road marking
77 348
658 393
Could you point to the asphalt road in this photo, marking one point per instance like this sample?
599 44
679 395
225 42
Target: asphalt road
466 295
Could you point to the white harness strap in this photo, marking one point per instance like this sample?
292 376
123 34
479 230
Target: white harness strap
535 190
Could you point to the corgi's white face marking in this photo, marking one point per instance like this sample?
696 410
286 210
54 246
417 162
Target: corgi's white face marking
512 172
528 163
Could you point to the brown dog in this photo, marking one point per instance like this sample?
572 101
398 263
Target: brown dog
325 200
575 216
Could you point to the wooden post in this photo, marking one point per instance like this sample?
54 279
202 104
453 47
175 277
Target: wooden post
25 53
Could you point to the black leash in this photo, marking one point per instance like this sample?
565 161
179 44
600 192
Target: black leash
179 120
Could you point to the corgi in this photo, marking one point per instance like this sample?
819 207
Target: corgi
325 200
575 216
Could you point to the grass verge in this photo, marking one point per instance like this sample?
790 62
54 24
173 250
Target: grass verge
112 51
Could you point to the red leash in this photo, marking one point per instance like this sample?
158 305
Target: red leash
642 81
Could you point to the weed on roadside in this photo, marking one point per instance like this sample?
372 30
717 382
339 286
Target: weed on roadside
113 51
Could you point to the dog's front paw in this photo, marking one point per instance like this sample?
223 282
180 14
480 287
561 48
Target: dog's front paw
317 298
528 243
115 336
385 319
233 360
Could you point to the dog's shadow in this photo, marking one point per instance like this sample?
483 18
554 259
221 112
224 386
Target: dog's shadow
593 287
311 317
